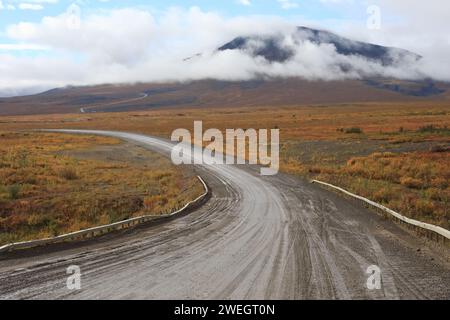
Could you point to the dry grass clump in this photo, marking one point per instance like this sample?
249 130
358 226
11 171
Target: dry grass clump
68 173
411 182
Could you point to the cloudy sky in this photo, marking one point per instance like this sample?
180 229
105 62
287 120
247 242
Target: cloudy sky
53 43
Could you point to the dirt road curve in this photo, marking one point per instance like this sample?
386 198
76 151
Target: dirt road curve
256 238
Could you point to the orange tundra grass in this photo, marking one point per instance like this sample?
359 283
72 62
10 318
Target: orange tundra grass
44 193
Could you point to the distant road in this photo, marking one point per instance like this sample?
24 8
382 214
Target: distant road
256 238
88 108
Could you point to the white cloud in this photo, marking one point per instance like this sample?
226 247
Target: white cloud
6 6
43 1
34 5
30 6
337 1
98 36
245 2
21 47
288 4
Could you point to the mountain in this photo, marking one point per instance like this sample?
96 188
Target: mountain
274 48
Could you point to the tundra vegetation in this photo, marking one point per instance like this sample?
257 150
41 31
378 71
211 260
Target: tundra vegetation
52 184
393 153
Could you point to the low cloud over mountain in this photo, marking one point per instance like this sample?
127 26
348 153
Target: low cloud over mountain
281 48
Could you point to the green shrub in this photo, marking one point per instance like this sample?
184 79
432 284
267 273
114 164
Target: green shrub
14 191
356 130
431 128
